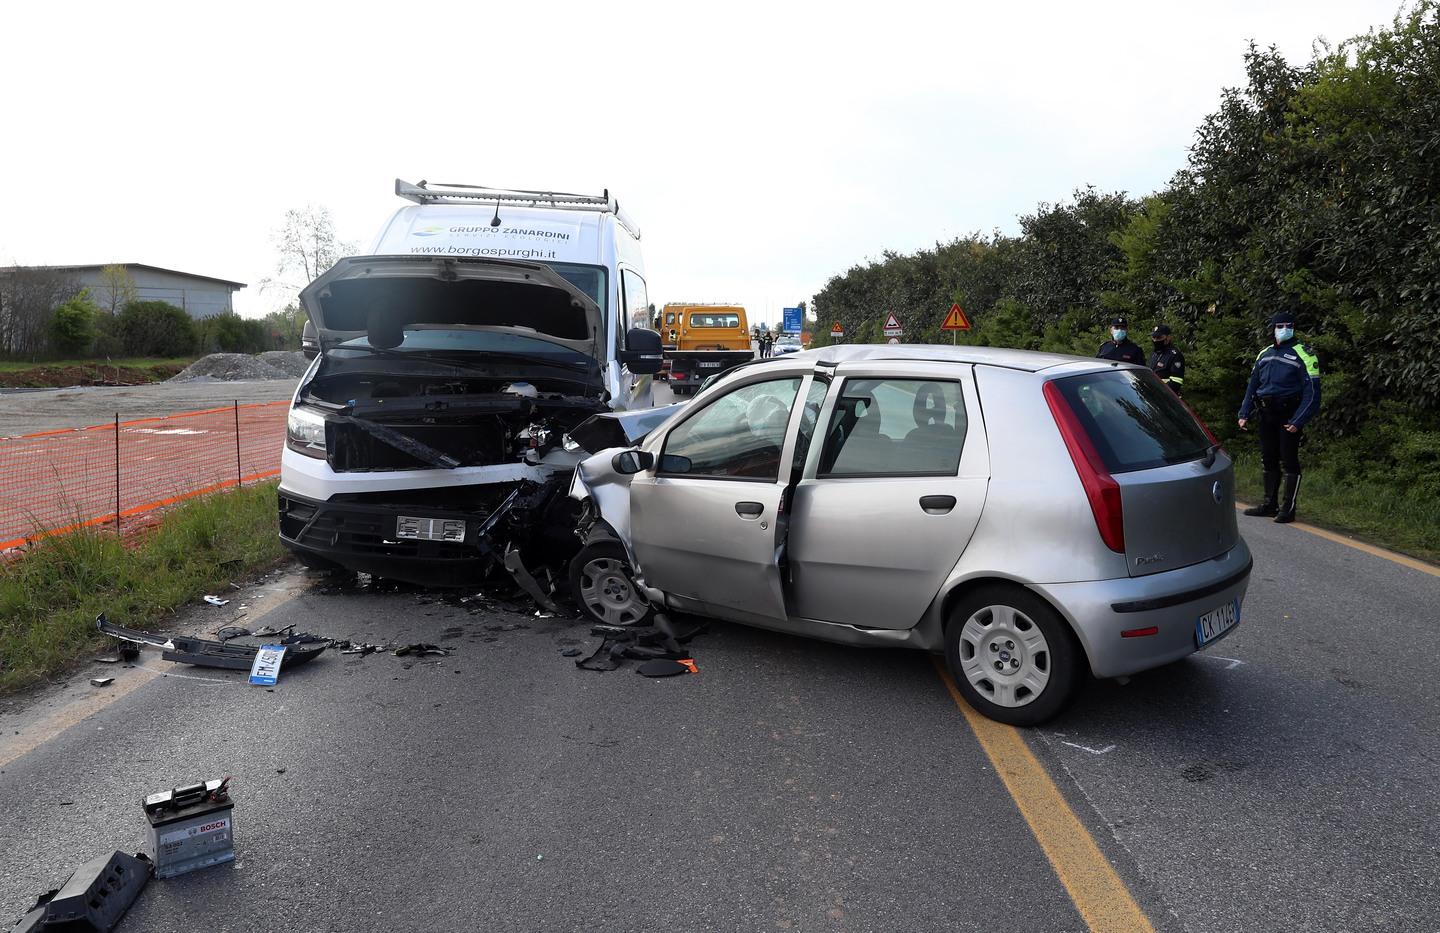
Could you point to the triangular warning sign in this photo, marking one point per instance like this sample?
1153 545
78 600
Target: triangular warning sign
892 322
956 319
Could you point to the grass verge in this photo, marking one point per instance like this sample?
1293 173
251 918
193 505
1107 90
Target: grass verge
62 373
1393 515
50 596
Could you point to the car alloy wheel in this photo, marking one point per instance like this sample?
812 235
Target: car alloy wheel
1005 656
1012 656
604 585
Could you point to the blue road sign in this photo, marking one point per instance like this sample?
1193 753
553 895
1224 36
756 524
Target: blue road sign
793 322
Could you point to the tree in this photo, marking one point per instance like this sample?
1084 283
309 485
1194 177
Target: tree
117 288
28 295
306 245
72 328
155 328
285 327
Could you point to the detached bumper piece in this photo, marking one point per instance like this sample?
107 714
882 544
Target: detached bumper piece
206 653
95 898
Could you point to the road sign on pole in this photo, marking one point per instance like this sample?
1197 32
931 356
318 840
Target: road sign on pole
956 319
793 320
836 330
892 326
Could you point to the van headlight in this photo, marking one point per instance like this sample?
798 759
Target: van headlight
305 432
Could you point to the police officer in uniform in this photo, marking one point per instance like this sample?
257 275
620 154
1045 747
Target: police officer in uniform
1167 362
1120 347
1284 391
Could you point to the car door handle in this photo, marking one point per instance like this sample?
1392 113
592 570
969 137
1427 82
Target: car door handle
937 505
749 509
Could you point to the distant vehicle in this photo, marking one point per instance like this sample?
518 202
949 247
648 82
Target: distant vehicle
452 361
1032 516
702 340
786 344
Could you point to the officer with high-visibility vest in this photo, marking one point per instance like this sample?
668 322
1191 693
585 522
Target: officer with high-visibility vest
1284 390
1167 362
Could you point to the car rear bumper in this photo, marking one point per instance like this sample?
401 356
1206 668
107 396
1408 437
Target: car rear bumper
1103 611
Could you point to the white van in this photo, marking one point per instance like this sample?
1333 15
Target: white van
429 438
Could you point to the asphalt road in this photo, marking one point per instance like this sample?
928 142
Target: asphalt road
1285 780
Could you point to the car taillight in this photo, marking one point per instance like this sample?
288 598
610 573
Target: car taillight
1100 487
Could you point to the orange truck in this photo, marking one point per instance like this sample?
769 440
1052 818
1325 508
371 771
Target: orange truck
702 340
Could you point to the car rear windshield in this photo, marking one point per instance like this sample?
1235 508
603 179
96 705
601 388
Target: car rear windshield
1133 420
711 319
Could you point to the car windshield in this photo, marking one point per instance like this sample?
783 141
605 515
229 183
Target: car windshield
445 341
589 279
1133 420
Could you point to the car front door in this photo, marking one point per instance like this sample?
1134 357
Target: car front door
890 495
704 523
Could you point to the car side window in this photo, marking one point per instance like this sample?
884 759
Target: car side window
895 427
739 435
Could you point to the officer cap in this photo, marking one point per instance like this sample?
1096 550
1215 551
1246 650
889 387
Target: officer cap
1282 317
1119 322
1161 330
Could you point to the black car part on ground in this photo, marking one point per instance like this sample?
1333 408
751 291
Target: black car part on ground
95 897
661 640
206 653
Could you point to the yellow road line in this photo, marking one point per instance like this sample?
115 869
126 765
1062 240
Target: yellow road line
1096 890
1394 558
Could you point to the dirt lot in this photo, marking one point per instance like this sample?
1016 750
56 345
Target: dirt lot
30 411
64 375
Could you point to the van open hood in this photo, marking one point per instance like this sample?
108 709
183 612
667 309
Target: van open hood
378 296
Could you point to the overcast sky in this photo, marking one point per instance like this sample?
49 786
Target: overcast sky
762 147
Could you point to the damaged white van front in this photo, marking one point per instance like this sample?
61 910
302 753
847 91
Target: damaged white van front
429 440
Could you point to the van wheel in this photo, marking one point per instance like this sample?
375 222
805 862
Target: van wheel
603 584
1012 656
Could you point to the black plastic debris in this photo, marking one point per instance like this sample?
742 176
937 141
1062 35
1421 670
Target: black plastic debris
527 582
420 648
101 681
95 897
228 632
205 653
129 652
659 641
571 653
662 667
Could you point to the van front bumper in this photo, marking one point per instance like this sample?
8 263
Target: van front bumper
1107 615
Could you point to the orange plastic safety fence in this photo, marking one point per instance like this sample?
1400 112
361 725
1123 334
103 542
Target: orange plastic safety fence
109 474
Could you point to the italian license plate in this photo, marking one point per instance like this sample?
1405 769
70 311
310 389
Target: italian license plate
1216 622
429 529
703 365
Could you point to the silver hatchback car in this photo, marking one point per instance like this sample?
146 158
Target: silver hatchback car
1030 515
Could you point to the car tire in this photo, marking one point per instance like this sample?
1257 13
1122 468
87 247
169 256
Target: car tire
602 583
1013 657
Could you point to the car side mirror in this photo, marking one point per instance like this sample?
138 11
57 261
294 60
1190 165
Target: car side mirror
630 462
643 353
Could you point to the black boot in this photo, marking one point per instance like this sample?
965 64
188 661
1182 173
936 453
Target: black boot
1272 488
1288 501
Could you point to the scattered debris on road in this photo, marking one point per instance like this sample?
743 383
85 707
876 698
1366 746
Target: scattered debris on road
659 641
101 681
205 653
95 897
216 600
421 648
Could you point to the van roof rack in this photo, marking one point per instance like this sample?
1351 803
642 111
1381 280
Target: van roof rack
438 193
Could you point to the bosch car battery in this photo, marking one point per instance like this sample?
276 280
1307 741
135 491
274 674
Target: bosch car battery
191 827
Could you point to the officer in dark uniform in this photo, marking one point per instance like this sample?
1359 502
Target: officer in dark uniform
1167 362
1285 391
1120 347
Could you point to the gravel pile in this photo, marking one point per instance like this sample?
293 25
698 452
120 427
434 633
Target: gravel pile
290 362
229 367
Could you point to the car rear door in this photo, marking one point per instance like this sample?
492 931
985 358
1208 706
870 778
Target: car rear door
893 489
704 523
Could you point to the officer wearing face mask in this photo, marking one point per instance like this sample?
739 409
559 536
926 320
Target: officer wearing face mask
1120 347
1167 362
1284 391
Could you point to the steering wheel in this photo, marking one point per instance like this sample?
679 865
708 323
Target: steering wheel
930 406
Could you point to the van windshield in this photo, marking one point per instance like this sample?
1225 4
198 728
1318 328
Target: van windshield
1133 420
589 279
714 319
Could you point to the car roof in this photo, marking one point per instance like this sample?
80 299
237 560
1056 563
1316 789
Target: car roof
1027 360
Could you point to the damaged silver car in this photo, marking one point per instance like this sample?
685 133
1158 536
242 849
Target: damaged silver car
997 506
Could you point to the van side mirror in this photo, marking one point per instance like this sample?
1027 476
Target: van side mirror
630 462
643 352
